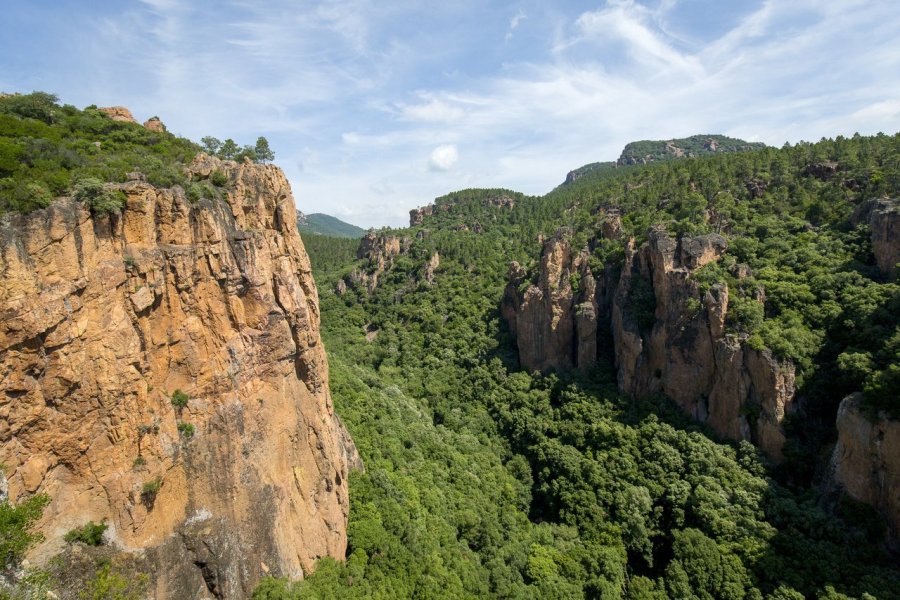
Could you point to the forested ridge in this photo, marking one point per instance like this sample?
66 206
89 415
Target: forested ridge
485 480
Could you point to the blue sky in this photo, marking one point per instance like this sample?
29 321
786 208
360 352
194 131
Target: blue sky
375 107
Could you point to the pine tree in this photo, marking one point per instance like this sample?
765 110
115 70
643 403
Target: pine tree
264 154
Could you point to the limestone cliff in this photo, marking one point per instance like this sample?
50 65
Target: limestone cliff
866 460
105 317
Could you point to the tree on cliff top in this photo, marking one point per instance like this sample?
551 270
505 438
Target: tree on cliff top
264 154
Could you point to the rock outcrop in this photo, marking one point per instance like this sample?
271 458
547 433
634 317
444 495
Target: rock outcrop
501 201
883 218
822 170
555 320
154 124
669 338
378 250
118 113
417 215
884 221
105 317
430 267
866 460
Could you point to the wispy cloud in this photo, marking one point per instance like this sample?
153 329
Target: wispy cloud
514 23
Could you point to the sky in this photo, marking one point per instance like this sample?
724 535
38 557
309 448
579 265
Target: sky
376 107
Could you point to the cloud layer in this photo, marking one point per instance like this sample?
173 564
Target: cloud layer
366 104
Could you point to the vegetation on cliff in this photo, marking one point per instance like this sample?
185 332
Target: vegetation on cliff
46 148
485 480
49 150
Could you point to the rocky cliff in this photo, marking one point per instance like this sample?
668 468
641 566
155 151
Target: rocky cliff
882 215
379 250
679 346
866 459
669 336
105 317
554 320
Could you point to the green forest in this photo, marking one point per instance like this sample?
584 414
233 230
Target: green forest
483 480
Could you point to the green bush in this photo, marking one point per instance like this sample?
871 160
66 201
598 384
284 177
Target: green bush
186 429
109 584
90 534
15 527
218 179
149 491
641 302
45 145
179 399
91 191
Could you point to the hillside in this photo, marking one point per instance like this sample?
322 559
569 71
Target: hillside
651 151
322 224
488 479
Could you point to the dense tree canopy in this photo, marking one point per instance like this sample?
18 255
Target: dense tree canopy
484 480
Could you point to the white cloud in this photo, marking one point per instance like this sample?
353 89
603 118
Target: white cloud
443 158
628 23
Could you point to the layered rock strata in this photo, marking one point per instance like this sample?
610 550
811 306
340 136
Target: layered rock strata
105 317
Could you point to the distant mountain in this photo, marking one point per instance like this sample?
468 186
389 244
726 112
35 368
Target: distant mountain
596 167
322 224
648 151
644 152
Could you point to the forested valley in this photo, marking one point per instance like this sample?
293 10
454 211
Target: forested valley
484 480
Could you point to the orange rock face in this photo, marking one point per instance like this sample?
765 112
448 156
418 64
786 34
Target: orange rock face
716 377
104 317
866 460
118 113
668 337
154 124
554 323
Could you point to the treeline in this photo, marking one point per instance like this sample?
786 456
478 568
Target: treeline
229 149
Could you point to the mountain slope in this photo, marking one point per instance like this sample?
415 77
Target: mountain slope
322 224
648 151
